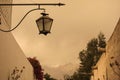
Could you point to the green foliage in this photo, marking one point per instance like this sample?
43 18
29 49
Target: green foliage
48 77
89 57
101 40
67 77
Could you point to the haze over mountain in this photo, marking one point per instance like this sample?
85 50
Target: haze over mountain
59 71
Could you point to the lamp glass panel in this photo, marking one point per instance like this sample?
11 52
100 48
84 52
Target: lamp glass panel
40 24
48 23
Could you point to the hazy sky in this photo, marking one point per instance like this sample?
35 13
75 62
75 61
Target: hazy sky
74 25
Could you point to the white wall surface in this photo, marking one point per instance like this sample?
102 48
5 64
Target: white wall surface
11 55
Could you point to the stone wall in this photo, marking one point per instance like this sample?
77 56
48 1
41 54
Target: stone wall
11 56
108 67
113 55
100 69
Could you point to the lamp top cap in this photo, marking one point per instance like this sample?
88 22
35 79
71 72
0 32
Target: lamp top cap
44 14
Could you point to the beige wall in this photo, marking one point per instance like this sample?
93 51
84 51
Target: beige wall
11 55
111 57
113 53
100 69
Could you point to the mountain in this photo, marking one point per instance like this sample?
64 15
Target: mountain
58 72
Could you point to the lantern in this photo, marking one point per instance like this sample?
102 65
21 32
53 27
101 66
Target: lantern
44 24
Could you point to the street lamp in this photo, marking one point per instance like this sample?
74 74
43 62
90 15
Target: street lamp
44 23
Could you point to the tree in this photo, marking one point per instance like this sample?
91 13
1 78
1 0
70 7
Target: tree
101 44
67 77
89 57
37 68
101 40
48 77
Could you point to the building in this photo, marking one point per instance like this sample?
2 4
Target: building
113 55
99 71
13 62
108 67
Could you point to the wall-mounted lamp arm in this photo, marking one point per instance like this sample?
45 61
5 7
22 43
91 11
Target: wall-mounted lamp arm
21 20
35 4
42 4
